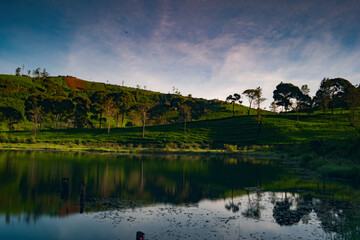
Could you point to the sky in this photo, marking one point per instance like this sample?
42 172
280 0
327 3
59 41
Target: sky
207 48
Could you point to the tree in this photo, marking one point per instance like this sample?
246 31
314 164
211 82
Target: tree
36 73
185 109
273 107
144 106
259 99
81 111
12 115
284 93
44 73
162 108
59 109
353 101
124 101
109 109
305 89
332 92
31 104
233 99
97 100
250 94
17 71
37 117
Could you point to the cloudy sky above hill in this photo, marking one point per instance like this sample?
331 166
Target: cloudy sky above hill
207 48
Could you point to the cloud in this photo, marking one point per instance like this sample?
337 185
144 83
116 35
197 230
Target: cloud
199 50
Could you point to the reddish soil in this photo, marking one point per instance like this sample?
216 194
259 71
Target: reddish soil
75 83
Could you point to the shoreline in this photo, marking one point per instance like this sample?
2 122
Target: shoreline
126 151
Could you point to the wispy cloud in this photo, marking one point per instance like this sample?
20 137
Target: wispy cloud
212 50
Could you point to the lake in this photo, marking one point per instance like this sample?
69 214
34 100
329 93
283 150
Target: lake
46 195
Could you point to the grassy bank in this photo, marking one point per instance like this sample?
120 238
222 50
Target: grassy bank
325 143
334 158
242 131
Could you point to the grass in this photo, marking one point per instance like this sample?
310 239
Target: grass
327 144
241 131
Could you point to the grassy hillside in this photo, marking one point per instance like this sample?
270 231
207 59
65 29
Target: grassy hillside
240 131
68 100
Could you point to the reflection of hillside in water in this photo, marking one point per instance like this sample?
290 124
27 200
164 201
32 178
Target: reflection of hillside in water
62 184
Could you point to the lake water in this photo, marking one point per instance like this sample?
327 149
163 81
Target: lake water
92 196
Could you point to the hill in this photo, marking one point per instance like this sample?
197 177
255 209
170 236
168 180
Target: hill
66 101
67 113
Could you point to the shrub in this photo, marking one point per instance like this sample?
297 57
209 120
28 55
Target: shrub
31 140
3 137
171 145
230 148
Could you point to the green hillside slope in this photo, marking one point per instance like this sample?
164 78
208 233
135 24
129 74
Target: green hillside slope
241 131
71 102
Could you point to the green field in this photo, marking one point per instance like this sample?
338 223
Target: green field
241 131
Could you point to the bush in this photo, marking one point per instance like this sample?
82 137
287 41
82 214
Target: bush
171 145
3 137
31 140
230 148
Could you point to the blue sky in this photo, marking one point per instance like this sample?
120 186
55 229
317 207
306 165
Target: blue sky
207 48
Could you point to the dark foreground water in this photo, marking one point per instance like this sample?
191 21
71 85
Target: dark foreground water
72 196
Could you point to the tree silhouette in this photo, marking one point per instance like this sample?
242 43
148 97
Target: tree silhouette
259 99
332 92
44 73
36 73
251 95
284 93
233 99
17 71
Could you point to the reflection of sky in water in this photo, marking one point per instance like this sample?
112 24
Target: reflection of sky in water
206 220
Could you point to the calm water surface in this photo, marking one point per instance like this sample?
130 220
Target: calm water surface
80 196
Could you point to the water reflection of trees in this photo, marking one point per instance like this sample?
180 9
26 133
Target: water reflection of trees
34 182
330 211
253 209
283 215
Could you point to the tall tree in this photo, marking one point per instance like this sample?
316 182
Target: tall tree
44 73
233 99
185 109
284 93
273 107
81 111
259 99
36 73
37 117
144 107
97 100
251 95
109 109
17 71
353 100
124 101
332 93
